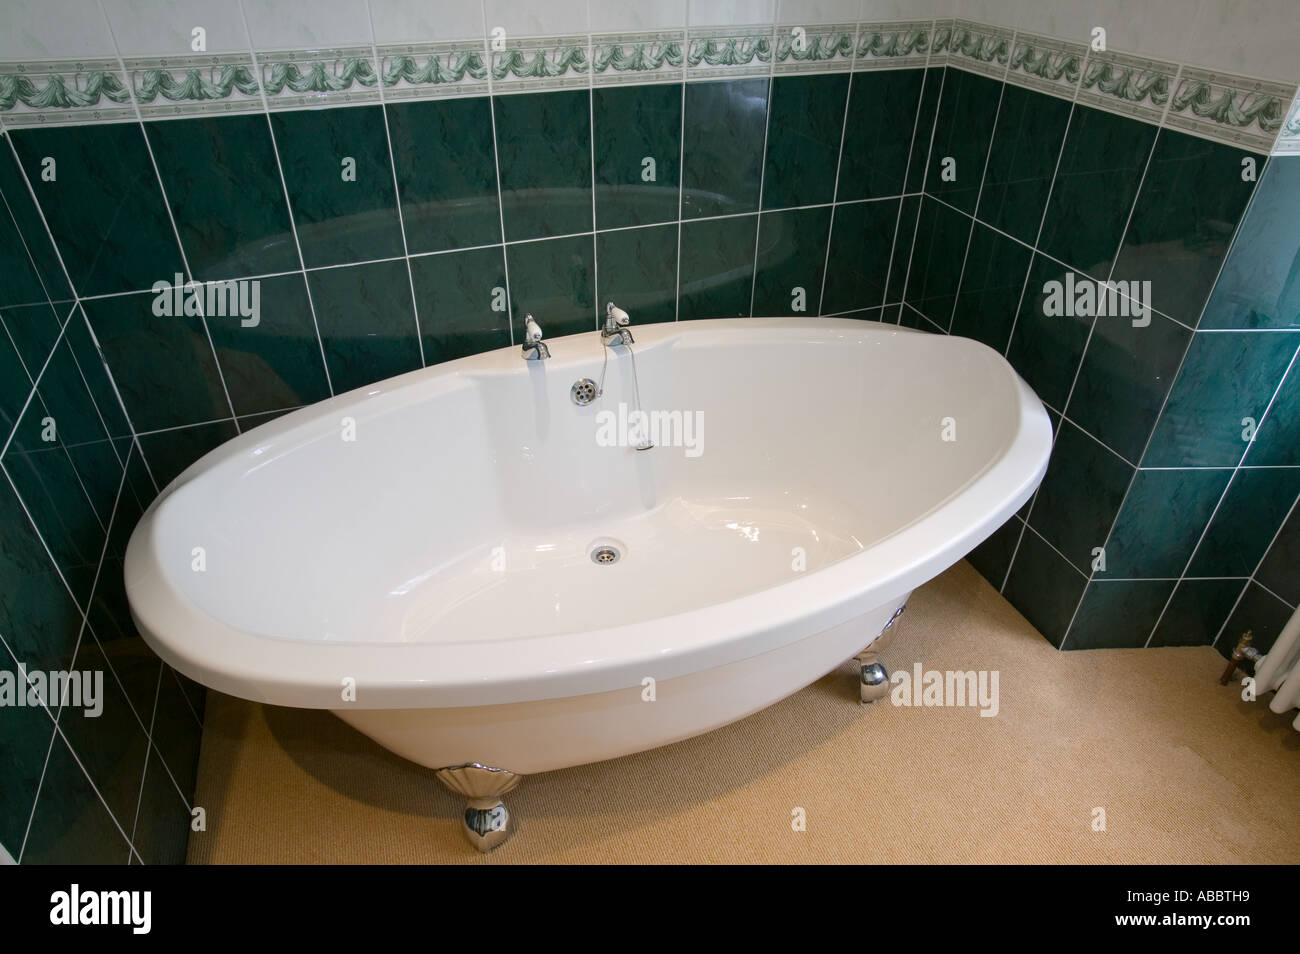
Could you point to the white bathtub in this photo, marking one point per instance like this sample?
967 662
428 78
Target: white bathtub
439 561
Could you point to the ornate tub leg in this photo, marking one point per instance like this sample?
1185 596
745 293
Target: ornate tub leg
873 681
486 823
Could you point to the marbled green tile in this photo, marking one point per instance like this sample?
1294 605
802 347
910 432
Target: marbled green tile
226 196
861 234
1197 612
1118 615
34 329
170 452
637 269
942 235
29 225
112 744
19 282
991 285
1277 442
1096 183
1191 200
1079 496
904 241
1259 612
544 151
992 558
65 398
555 282
446 172
1280 570
162 835
717 273
1259 286
962 132
339 220
1044 587
805 124
1045 349
791 261
1162 518
1126 373
71 826
723 148
100 471
25 734
1224 378
277 362
457 293
1022 159
633 124
176 736
15 386
366 322
96 375
104 207
1252 511
882 112
163 366
923 129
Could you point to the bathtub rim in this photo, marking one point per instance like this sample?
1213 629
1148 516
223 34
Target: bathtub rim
309 674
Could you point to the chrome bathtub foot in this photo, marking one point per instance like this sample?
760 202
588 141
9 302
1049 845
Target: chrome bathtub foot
486 823
874 680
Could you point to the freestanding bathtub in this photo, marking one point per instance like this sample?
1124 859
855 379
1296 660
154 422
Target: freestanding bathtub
492 580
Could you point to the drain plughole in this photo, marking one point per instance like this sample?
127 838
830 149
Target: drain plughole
604 555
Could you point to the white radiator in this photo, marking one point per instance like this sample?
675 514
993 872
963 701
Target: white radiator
1280 670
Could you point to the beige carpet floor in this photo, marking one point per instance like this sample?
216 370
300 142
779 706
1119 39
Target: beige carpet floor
1185 771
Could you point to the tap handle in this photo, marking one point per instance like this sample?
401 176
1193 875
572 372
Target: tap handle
532 330
617 315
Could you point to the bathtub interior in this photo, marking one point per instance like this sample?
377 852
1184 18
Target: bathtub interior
468 504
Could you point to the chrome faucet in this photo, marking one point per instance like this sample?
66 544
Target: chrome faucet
534 347
615 330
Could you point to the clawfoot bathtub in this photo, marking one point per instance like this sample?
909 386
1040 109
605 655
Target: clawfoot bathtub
492 580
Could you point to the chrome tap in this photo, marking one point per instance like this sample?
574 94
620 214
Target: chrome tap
615 330
534 347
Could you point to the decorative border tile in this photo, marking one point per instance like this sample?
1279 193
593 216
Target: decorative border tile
893 45
1129 85
183 86
822 49
426 70
651 57
536 64
64 91
1288 141
1046 65
980 48
294 78
1230 109
941 46
729 51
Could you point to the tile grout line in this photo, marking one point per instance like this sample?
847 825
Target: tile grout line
397 189
496 165
591 152
762 168
681 165
839 165
288 202
148 750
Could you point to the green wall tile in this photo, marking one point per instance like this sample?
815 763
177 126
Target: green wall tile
991 285
1260 612
366 322
962 132
104 207
339 220
1022 160
25 734
1044 587
276 363
1162 519
717 274
544 150
992 558
1277 442
805 124
791 255
226 196
1252 511
904 242
446 173
555 281
637 269
1197 612
861 235
1118 615
170 452
923 130
71 824
723 149
1280 570
882 114
27 221
937 255
632 124
1224 378
457 292
1191 200
1096 183
1045 349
